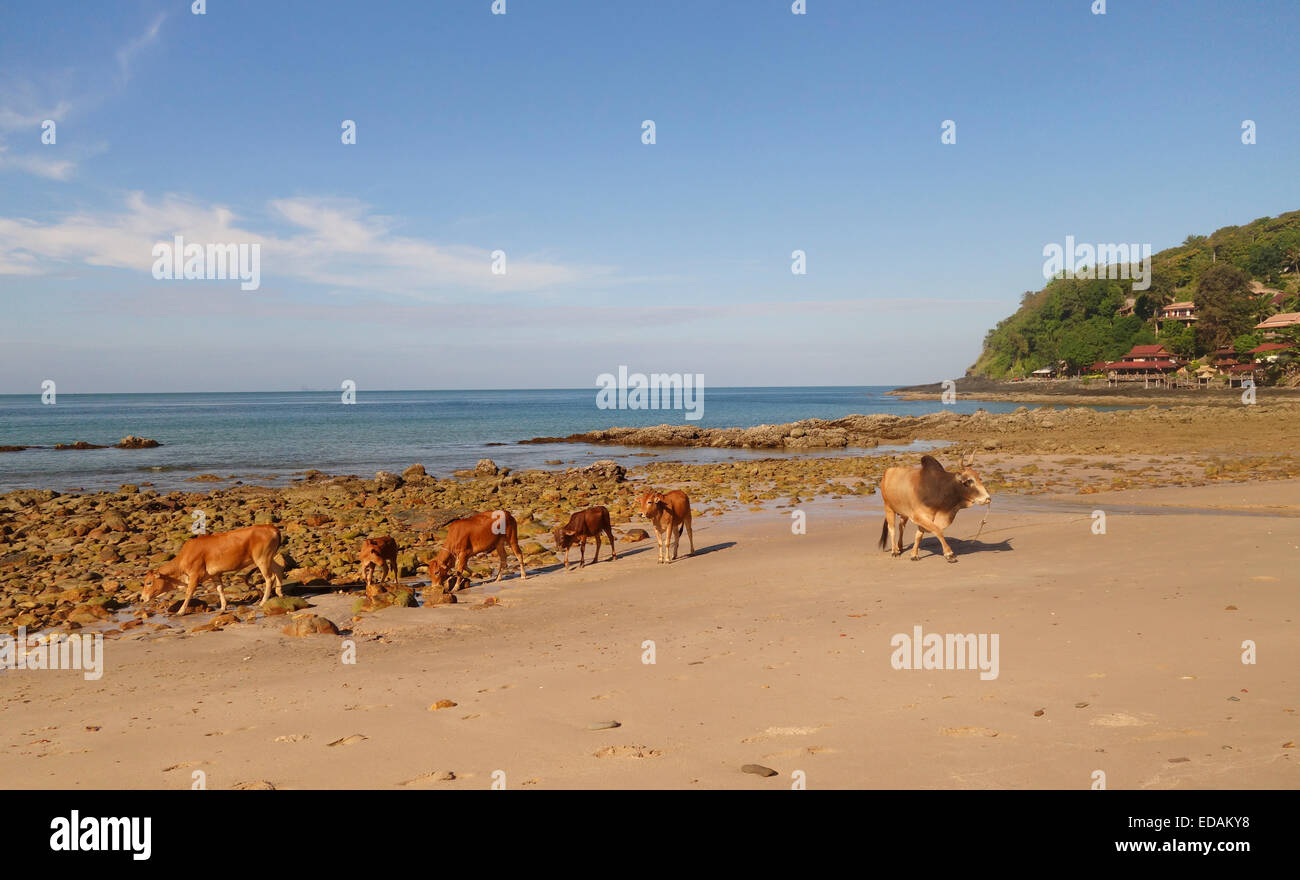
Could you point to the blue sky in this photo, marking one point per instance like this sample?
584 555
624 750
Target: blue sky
522 132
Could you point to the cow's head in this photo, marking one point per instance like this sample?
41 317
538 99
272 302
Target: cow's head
650 501
370 552
155 584
563 538
440 572
968 480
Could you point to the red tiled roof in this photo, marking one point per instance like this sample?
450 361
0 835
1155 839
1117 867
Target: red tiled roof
1141 365
1145 351
1269 346
1241 368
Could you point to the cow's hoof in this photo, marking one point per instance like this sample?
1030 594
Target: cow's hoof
895 553
914 558
951 557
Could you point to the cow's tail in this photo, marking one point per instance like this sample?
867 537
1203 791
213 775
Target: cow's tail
884 534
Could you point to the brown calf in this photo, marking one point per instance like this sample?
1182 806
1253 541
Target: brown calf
582 525
378 554
206 556
929 496
471 536
670 512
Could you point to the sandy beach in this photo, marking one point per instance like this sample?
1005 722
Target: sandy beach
1119 652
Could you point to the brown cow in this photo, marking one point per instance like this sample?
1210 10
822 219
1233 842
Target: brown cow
471 536
378 554
929 496
582 525
670 512
214 555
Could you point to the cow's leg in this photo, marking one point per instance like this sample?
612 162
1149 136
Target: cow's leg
887 531
661 539
514 545
902 529
674 536
193 578
502 561
932 526
597 556
610 532
566 557
690 535
582 552
271 572
916 545
221 593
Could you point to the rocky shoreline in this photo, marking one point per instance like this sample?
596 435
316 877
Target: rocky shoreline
77 560
1075 429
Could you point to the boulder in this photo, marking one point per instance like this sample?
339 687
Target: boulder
133 442
387 480
304 625
486 467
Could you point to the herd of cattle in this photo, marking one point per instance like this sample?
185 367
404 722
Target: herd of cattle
929 496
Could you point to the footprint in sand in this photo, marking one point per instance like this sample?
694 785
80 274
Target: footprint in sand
181 766
291 738
627 752
967 731
773 732
1117 719
349 740
430 778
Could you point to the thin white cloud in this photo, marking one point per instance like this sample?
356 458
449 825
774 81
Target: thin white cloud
42 165
336 243
24 110
127 53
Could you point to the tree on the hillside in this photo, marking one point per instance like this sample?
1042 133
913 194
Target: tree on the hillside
1243 344
1223 306
1178 339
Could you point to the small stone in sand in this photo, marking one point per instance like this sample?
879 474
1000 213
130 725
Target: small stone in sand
441 704
604 725
758 770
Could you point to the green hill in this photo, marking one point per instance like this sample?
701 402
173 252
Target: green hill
1078 320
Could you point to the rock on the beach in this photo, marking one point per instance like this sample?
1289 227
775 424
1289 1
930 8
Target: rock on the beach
311 576
284 604
415 470
388 480
635 535
486 467
604 469
310 625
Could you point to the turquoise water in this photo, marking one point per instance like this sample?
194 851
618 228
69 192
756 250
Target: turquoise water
265 437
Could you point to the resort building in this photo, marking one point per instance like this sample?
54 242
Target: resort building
1143 363
1180 312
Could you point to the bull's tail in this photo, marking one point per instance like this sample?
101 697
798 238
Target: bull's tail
884 533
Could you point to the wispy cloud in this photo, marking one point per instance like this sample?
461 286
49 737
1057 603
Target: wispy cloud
331 242
126 54
23 109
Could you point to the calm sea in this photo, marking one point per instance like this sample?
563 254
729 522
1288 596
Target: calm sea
264 438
